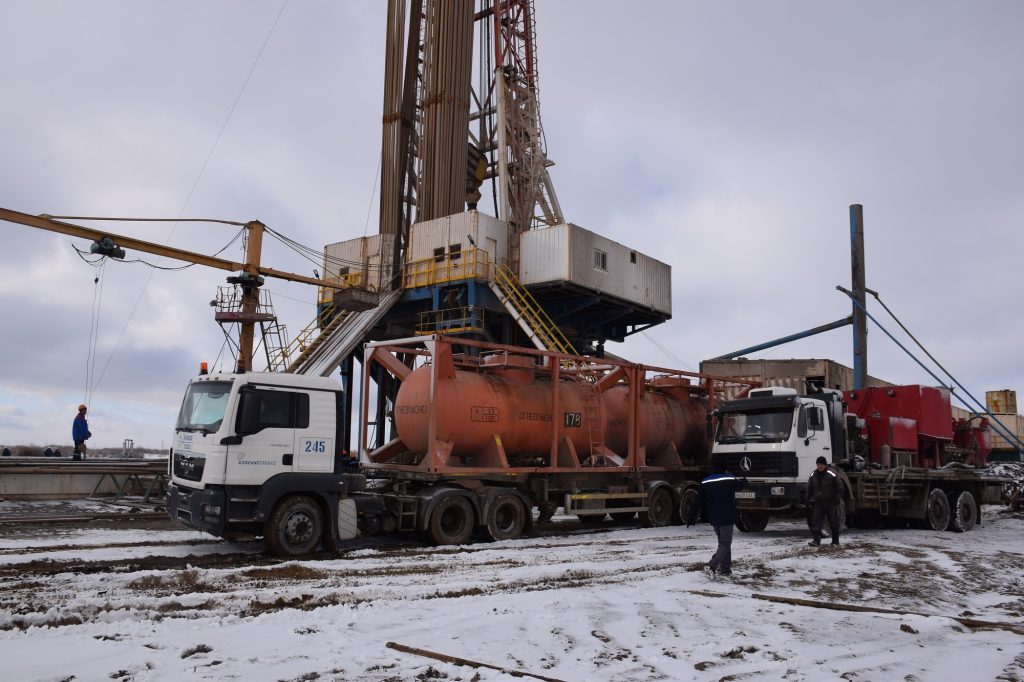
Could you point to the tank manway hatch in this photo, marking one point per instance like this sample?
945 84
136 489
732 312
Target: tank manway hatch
605 289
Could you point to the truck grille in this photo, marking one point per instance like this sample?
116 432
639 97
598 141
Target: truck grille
761 463
189 468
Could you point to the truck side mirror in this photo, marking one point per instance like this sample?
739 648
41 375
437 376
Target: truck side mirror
801 422
248 414
815 420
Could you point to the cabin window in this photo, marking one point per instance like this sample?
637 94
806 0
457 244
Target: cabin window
455 251
439 254
278 409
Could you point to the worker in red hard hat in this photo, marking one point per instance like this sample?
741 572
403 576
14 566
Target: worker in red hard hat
80 431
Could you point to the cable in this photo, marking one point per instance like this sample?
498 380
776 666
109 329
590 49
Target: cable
669 354
317 257
199 177
373 193
96 337
1006 433
143 220
81 254
219 353
92 327
907 332
1018 442
290 298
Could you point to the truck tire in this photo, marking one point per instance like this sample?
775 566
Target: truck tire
937 517
751 520
686 502
295 527
452 521
660 507
964 513
506 517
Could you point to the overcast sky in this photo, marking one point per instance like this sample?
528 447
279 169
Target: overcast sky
725 138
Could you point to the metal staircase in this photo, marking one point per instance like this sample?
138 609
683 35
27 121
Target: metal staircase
340 338
275 342
524 309
309 339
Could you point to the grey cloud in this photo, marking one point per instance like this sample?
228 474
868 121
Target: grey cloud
724 138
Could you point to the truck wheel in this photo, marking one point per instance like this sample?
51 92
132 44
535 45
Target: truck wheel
751 520
686 503
659 508
937 517
452 521
506 517
295 527
965 512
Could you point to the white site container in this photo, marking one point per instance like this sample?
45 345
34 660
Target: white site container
366 260
465 231
569 254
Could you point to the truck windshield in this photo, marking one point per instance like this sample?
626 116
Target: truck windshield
203 407
758 425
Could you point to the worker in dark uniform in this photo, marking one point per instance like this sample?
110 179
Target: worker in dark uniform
717 496
824 491
80 431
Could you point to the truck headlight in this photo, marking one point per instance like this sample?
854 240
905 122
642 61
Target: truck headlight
211 511
778 490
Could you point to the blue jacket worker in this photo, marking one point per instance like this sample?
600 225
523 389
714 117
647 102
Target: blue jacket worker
717 495
80 430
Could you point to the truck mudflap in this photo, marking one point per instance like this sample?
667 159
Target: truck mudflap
347 526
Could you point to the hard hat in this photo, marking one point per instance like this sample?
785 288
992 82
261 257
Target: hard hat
82 407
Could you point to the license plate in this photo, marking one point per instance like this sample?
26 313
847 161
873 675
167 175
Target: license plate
744 495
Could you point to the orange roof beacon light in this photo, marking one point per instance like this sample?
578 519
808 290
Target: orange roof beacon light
204 369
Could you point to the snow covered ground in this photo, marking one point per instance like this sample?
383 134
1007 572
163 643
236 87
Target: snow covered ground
610 603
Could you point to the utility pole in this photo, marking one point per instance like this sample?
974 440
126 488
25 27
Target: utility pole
250 283
860 321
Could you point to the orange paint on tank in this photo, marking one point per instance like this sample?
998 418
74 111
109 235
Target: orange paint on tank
472 408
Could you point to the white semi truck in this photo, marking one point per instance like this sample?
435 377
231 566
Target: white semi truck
902 457
469 446
245 442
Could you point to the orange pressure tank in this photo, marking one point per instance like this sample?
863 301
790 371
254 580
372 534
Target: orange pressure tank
508 400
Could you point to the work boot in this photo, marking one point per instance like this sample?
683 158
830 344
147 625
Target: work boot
815 542
835 541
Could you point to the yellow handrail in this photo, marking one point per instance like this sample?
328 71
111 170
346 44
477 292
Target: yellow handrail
468 264
523 301
282 357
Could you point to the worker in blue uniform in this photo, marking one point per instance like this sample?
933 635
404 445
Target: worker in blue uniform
80 431
717 496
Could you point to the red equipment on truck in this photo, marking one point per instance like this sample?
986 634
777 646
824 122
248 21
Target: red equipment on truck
898 449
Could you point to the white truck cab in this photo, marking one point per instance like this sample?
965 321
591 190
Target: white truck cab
245 444
773 438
